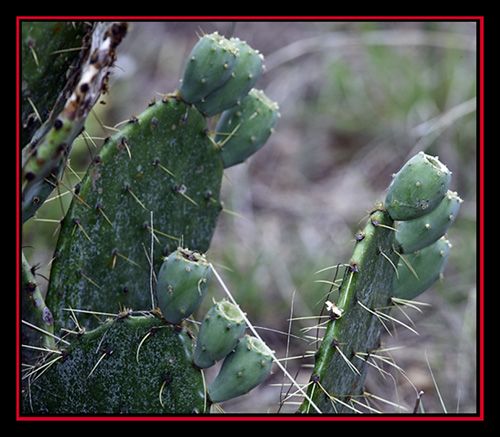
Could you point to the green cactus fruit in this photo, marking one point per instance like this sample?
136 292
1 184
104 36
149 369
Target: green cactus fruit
182 284
417 188
247 71
244 128
242 370
416 234
210 64
220 331
427 267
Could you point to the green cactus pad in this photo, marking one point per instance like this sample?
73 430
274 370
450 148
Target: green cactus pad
242 370
417 188
156 182
427 264
245 128
182 284
247 71
416 234
221 329
129 365
210 64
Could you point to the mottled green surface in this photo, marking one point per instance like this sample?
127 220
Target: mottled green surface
161 163
134 365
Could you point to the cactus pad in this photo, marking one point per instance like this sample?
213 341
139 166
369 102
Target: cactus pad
160 166
129 365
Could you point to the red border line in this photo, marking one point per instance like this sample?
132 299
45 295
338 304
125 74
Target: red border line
481 412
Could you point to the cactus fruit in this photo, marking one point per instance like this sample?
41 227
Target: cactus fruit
242 370
128 365
221 329
418 233
247 71
427 267
210 64
417 188
244 128
182 284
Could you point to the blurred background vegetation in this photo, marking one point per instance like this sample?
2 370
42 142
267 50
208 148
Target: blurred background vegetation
357 99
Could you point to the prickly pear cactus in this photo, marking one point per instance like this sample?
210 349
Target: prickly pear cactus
130 265
385 268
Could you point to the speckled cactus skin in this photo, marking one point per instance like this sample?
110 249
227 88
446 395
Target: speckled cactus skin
129 365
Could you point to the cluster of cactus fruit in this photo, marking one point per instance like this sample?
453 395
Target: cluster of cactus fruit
129 268
114 333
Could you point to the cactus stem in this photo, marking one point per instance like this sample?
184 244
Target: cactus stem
351 366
